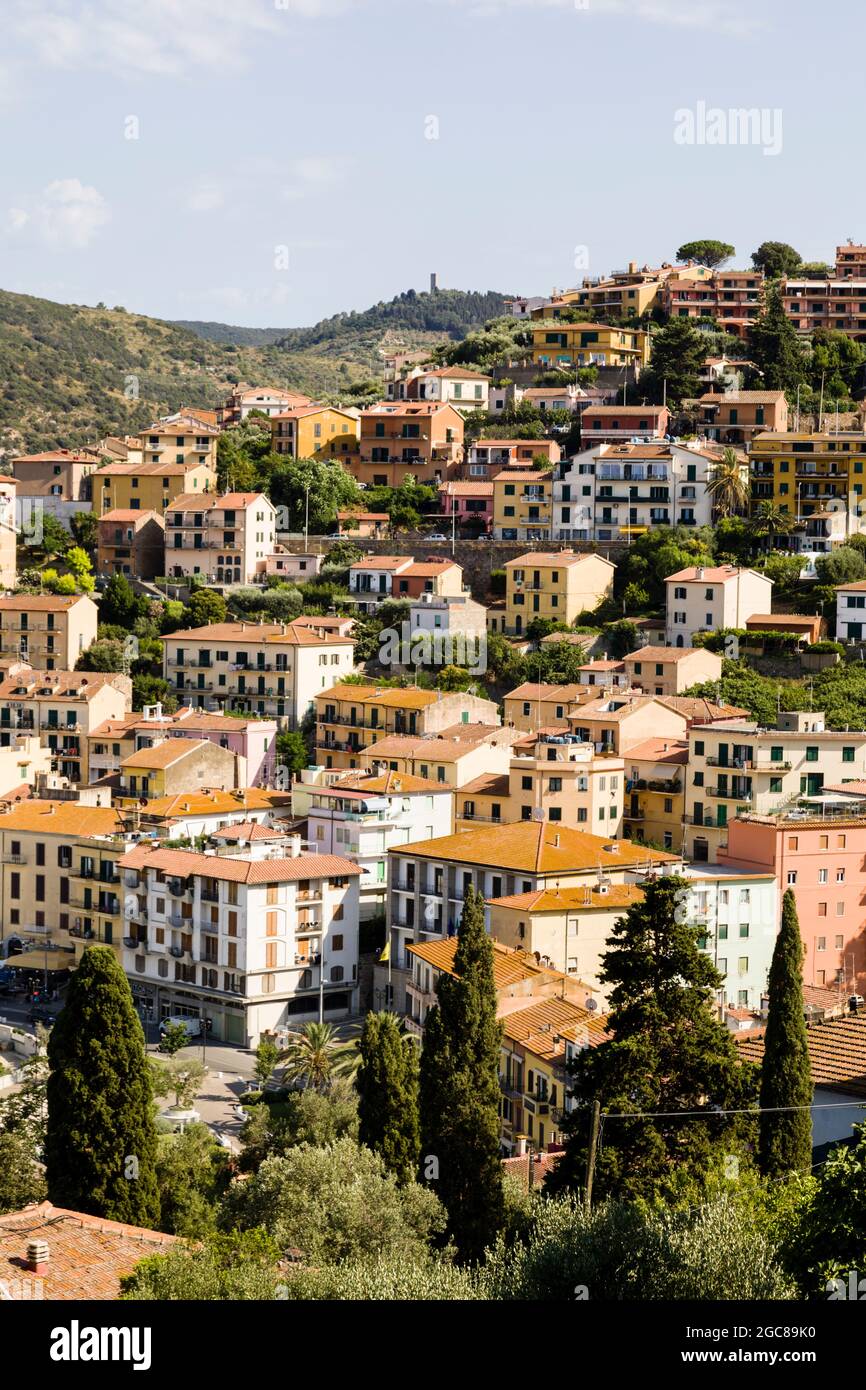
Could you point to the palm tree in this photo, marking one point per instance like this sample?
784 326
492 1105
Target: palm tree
728 484
316 1057
770 520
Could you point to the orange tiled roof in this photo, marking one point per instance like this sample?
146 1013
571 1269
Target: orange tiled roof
536 847
837 1052
87 1255
184 863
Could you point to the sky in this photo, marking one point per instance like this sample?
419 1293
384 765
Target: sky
271 162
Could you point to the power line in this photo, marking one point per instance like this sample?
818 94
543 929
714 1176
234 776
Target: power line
712 1114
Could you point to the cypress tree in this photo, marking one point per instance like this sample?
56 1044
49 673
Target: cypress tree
460 1090
665 1052
786 1135
100 1149
387 1083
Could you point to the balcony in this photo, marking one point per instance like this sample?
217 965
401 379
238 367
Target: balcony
728 793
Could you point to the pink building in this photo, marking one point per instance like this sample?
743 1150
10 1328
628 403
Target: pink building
471 503
824 862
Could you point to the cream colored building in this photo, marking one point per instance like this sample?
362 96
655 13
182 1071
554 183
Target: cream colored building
557 585
615 723
671 670
10 523
224 539
551 777
656 773
350 718
61 708
451 758
180 439
533 706
149 486
48 631
703 598
275 669
737 767
241 939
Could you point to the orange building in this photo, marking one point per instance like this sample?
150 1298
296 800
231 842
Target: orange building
408 439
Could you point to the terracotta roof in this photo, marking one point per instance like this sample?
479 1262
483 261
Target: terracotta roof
561 694
510 966
455 374
479 489
709 574
858 585
164 754
662 653
210 501
803 620
121 514
433 749
87 1255
601 666
428 569
488 784
625 409
363 516
837 1052
660 750
523 475
697 710
584 899
544 1026
742 398
182 863
382 562
389 783
55 456
249 830
536 847
540 559
852 788
601 708
63 685
41 603
396 696
518 1167
149 470
213 803
281 634
407 408
62 818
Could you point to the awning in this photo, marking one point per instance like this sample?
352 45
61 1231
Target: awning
41 960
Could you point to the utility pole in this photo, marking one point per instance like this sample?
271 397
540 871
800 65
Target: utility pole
594 1128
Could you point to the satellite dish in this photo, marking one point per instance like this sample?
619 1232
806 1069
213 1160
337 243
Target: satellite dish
591 1005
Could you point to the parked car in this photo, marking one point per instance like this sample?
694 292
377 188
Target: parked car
192 1026
436 536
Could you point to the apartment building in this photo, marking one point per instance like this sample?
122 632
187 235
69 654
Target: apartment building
457 386
487 457
670 670
149 486
378 577
565 929
816 478
534 1079
351 718
821 860
60 708
275 669
12 519
47 631
617 721
250 942
738 416
654 806
224 539
733 298
736 767
455 616
533 706
191 815
315 432
131 543
174 766
617 491
362 816
427 881
58 885
408 439
624 293
738 912
557 585
552 776
251 741
452 758
851 611
587 345
617 424
371 579
703 598
838 305
65 474
182 438
522 505
264 400
601 674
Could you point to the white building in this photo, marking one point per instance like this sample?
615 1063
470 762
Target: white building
851 611
225 540
612 491
254 942
739 915
456 615
703 598
363 816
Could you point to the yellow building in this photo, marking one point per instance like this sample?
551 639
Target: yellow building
588 345
58 880
558 585
522 505
551 777
532 706
351 718
316 432
564 928
655 800
805 474
533 1074
141 487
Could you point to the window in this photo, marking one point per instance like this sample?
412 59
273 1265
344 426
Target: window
792 877
337 943
821 943
822 909
744 929
793 842
699 747
847 755
812 753
822 875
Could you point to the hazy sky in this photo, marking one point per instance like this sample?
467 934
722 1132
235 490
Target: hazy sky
298 157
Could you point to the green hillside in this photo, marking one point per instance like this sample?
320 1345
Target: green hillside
70 374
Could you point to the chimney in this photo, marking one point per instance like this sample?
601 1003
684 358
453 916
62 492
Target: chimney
37 1256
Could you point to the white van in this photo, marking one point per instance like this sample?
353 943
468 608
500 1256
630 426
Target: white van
192 1025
